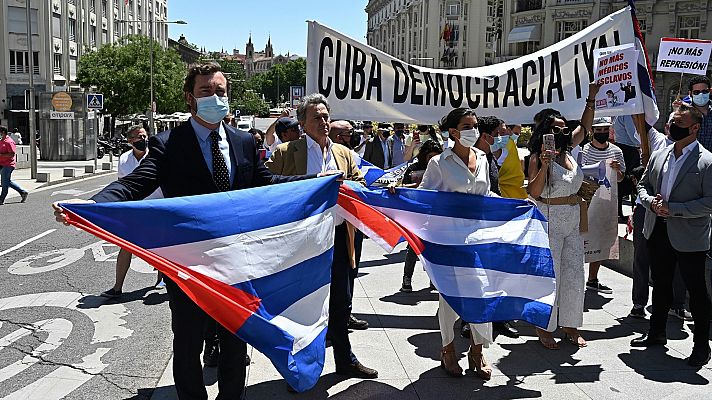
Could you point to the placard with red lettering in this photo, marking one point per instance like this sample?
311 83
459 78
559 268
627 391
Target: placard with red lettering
616 70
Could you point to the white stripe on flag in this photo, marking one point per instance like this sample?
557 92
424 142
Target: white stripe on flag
470 282
256 254
457 231
301 319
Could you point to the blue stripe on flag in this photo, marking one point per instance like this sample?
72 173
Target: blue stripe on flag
300 370
503 257
503 308
280 290
455 205
185 220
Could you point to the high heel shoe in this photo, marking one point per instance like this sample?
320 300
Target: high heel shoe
479 365
450 366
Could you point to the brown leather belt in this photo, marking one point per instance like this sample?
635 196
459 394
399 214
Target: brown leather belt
571 200
561 201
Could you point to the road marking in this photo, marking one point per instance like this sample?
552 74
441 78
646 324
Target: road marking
108 327
30 240
75 192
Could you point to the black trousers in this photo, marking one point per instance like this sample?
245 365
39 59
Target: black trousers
188 323
663 261
340 301
353 273
410 259
641 267
631 157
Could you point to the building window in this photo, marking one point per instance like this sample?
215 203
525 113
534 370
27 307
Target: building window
104 36
20 64
104 7
72 67
17 20
643 27
57 64
425 41
92 36
464 33
565 29
524 48
56 26
688 26
527 5
453 10
72 29
92 6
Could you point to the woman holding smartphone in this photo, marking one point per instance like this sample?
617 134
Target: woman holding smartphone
554 180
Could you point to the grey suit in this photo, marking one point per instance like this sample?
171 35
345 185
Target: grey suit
690 202
681 239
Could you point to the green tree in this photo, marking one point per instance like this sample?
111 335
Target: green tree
121 72
275 83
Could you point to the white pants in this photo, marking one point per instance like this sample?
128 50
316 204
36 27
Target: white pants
481 333
567 251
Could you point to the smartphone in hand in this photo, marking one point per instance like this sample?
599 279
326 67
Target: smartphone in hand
549 143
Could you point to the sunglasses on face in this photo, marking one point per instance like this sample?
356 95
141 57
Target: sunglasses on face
558 129
703 91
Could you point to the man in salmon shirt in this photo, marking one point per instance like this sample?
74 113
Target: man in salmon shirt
7 165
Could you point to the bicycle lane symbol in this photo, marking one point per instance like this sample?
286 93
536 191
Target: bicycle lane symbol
108 326
60 258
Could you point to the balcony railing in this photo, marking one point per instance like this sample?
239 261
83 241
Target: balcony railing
573 1
23 69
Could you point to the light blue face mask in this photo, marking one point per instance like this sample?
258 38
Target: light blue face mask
515 137
212 109
701 99
500 142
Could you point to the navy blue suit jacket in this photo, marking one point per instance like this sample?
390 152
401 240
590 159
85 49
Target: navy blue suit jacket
176 165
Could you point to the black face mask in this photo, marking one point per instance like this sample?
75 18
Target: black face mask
678 133
601 137
386 134
562 141
140 145
355 140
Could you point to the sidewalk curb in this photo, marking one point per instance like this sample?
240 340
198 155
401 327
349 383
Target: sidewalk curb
75 178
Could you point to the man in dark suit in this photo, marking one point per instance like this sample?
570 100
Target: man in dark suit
378 151
200 156
676 191
310 154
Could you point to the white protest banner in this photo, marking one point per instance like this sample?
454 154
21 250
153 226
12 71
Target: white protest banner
616 69
361 82
689 56
601 241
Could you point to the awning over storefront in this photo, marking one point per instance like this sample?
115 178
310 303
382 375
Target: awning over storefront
528 33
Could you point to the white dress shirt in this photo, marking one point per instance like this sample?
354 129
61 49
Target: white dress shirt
446 172
127 163
319 161
672 166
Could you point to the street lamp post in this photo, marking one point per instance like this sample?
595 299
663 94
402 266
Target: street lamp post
152 106
31 105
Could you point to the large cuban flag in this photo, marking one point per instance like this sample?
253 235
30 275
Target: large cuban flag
488 257
257 260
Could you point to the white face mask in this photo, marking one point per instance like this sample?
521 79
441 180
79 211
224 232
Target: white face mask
469 137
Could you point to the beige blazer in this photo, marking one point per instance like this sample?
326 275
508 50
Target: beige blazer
291 159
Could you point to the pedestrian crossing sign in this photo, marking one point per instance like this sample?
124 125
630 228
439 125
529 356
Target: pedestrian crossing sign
95 101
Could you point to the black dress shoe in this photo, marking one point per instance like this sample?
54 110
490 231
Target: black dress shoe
505 328
649 340
357 370
357 324
211 355
699 358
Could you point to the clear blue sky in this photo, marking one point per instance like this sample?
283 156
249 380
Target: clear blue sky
227 24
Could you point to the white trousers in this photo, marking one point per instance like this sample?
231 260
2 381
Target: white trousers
481 333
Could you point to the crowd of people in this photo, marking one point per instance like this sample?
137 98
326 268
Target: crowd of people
464 153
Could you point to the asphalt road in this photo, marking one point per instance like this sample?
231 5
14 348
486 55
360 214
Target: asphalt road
58 338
